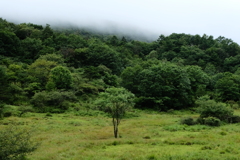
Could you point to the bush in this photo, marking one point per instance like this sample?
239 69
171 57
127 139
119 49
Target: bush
91 112
39 100
188 121
234 119
54 99
24 109
212 121
7 114
48 115
15 143
211 108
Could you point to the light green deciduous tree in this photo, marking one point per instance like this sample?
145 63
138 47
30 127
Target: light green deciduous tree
115 101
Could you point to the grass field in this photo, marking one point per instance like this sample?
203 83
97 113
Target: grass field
148 136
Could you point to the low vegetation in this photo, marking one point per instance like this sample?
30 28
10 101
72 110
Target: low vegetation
16 142
143 135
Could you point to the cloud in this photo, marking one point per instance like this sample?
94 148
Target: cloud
146 17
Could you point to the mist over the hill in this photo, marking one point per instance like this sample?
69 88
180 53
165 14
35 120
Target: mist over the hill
141 19
111 28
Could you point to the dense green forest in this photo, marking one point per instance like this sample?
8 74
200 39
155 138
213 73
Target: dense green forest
56 70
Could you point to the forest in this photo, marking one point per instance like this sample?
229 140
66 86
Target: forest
56 71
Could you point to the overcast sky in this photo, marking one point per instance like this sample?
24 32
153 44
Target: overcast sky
152 17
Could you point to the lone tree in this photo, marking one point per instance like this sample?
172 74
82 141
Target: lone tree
115 101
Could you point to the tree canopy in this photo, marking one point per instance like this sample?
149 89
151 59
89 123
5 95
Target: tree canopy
169 73
115 101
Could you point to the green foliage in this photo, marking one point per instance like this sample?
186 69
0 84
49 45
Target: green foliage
149 103
211 108
50 86
210 69
76 41
40 70
234 119
100 54
17 93
9 44
111 80
1 110
53 57
130 78
10 110
166 83
16 143
90 112
115 101
24 109
4 84
113 41
193 55
30 48
61 77
12 80
152 157
17 73
47 32
92 72
228 87
188 121
199 81
27 30
47 101
47 50
210 121
155 72
32 88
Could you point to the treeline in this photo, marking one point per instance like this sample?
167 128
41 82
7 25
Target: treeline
54 70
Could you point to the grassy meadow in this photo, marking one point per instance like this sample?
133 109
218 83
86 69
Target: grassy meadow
144 135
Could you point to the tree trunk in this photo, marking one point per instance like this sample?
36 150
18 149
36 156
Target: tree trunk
115 128
116 132
1 112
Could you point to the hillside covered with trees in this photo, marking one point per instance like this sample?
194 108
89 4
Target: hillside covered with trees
54 70
86 77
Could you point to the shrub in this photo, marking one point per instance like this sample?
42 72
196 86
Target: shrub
114 143
24 109
211 108
146 137
152 157
188 121
48 115
232 104
234 119
7 114
39 99
91 112
15 143
61 77
212 121
54 99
